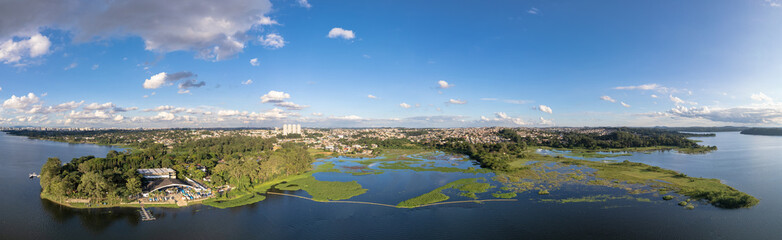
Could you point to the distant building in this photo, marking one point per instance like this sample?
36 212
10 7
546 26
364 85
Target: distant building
153 173
291 129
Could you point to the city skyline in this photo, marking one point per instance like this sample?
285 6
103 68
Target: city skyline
390 64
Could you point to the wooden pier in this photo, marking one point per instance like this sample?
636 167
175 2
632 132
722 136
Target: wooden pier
145 215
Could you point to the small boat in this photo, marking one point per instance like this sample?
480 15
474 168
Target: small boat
34 175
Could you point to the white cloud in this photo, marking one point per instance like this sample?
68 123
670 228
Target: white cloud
544 121
349 118
654 96
304 3
63 107
97 106
443 84
119 118
272 41
95 66
267 21
274 97
341 33
625 104
254 62
291 106
533 11
163 78
21 103
213 30
71 66
32 46
676 100
545 109
456 101
317 114
165 116
155 81
761 97
248 82
404 105
371 96
607 98
652 86
503 118
745 115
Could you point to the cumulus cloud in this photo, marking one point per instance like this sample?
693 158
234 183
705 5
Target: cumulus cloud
653 96
341 33
607 98
746 115
98 106
443 84
14 51
163 78
761 97
503 118
317 114
676 100
371 96
545 109
405 105
625 104
21 103
272 41
254 62
213 30
248 82
63 107
267 21
456 101
304 3
274 97
348 117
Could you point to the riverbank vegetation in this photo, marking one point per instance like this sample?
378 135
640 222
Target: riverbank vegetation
763 131
467 187
240 162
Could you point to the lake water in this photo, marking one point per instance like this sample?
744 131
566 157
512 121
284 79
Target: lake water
752 164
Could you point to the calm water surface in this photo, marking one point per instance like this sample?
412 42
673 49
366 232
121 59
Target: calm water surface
752 164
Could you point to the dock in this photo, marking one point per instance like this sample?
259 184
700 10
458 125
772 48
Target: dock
145 214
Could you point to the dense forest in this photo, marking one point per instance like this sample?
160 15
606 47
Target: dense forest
763 131
238 161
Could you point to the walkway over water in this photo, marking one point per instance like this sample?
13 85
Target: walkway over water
145 214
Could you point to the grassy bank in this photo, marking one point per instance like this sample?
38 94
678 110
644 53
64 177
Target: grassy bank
468 187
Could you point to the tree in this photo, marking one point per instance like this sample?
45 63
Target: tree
94 185
49 170
134 186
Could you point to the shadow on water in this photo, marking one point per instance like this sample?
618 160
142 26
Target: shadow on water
95 220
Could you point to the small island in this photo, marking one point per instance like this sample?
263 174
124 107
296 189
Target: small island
763 131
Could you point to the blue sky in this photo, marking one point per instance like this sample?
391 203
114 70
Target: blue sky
152 63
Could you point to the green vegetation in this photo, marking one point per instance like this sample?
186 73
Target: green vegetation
504 195
498 156
324 190
543 192
596 198
468 186
242 162
667 197
763 131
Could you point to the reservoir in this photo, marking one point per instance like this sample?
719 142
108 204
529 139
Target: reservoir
752 164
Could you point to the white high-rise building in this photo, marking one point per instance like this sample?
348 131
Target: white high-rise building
291 129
